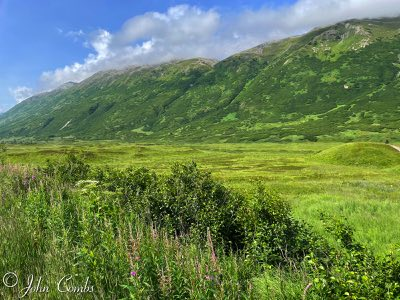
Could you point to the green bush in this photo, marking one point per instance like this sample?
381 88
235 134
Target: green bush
190 201
274 237
70 169
352 271
186 202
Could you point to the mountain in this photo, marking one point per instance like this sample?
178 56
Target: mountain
335 83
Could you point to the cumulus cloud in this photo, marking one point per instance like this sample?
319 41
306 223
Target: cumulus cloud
185 32
21 93
182 32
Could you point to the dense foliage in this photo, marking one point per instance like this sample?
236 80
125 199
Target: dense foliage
136 234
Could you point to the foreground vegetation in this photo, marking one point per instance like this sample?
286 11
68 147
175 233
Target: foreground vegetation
312 177
176 234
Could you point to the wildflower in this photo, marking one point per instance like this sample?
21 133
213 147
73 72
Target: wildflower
133 274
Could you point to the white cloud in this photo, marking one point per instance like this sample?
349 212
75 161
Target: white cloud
182 32
21 93
185 32
307 14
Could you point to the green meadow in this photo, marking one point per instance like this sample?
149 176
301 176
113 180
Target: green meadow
359 182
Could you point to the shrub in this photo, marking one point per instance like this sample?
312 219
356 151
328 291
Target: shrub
273 236
188 201
135 188
191 201
352 271
69 170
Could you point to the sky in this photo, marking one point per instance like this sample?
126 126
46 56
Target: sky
45 43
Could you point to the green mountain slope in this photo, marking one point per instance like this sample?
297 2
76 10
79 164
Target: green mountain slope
339 83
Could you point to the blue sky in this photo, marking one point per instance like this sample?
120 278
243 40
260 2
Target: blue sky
44 43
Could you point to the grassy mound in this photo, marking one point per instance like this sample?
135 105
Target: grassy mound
362 154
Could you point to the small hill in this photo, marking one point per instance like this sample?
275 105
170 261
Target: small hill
362 154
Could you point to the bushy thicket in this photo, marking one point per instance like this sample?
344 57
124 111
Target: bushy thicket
189 202
140 235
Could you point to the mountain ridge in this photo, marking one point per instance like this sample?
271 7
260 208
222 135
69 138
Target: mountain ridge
338 82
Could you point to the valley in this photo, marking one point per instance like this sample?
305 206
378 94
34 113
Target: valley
273 173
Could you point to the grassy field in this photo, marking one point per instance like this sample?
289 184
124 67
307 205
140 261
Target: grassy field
367 194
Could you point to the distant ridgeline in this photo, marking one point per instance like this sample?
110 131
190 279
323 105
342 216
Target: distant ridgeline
336 83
